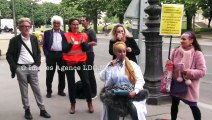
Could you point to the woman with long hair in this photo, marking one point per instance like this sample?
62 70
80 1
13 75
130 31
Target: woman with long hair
123 73
120 33
189 67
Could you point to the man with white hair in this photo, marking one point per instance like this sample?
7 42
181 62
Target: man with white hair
52 48
23 56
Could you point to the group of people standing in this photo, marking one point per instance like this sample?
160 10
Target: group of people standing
75 50
72 49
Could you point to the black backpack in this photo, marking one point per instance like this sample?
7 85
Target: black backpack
79 90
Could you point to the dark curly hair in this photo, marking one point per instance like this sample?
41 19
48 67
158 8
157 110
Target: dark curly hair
70 22
195 42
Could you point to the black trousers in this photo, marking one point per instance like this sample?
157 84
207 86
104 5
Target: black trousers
83 74
174 109
91 75
53 60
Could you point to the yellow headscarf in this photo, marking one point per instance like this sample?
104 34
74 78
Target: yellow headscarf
128 67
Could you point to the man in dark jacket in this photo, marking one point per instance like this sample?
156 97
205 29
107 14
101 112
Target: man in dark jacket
52 47
23 56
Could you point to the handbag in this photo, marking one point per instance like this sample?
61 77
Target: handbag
179 87
79 90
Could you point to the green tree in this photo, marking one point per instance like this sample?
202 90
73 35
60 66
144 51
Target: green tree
68 11
206 6
92 8
111 19
23 8
5 9
117 8
48 10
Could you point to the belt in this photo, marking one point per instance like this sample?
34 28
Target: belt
26 65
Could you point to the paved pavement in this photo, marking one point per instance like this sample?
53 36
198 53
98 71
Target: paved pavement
11 110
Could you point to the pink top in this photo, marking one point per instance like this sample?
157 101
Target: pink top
197 70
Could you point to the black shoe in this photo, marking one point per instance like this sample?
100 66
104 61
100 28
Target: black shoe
28 114
44 114
48 95
61 94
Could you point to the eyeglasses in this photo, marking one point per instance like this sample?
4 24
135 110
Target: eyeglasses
25 26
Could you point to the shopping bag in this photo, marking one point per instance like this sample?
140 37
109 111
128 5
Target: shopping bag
165 84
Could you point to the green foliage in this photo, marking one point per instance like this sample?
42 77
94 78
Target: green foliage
206 6
69 10
6 9
111 19
117 8
41 13
204 30
92 8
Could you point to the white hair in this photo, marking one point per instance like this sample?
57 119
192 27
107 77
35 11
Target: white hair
57 18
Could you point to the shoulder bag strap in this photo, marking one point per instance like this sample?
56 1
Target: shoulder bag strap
27 49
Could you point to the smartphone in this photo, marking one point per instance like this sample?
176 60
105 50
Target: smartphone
180 66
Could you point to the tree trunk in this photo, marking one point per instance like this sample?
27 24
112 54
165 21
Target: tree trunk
121 19
189 21
193 24
209 23
95 22
64 25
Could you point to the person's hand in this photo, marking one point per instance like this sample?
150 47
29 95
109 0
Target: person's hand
92 43
184 71
119 36
132 94
113 62
129 49
169 65
71 41
169 62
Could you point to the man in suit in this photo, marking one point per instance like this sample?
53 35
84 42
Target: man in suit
52 48
92 41
23 56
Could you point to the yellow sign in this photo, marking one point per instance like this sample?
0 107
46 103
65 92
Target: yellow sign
171 19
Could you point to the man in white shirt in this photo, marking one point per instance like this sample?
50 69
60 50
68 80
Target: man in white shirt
52 47
23 56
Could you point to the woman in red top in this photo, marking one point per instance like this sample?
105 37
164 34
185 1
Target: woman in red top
74 53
